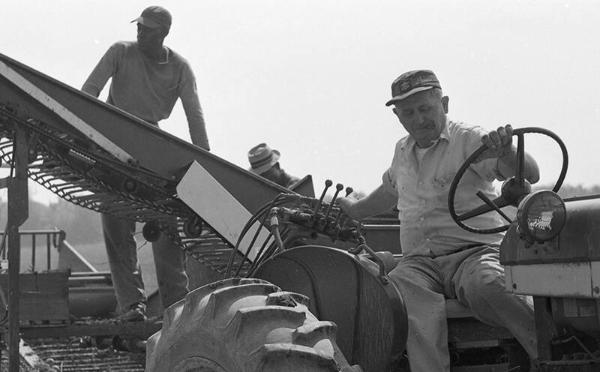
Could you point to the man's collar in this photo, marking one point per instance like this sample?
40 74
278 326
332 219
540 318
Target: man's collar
445 135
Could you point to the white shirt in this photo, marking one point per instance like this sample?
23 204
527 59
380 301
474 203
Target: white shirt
422 190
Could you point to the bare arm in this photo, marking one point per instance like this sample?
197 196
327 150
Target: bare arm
103 71
193 111
507 166
378 201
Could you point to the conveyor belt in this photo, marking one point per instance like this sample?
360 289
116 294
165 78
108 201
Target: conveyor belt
95 180
101 158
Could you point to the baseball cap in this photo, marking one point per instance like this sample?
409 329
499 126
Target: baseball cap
412 82
154 17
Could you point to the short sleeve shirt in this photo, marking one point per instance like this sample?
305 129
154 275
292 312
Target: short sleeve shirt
422 190
148 89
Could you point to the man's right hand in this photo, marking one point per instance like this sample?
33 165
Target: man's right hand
378 201
346 204
498 143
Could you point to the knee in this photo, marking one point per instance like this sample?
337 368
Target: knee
405 278
483 283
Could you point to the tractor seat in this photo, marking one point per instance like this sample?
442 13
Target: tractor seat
454 309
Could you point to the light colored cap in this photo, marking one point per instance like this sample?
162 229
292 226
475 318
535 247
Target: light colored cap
412 82
262 158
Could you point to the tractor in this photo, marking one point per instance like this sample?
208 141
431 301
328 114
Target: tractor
325 257
289 281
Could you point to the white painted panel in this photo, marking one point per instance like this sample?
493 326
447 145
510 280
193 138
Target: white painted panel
38 94
211 201
555 280
596 279
508 281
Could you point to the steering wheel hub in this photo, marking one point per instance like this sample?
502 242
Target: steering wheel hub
513 190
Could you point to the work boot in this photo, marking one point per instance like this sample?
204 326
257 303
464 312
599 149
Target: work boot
136 313
132 344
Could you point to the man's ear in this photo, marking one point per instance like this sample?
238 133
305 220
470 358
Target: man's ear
445 101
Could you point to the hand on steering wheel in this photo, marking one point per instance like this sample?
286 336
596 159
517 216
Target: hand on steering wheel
513 189
498 143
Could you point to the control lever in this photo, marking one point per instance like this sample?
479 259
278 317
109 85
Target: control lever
328 184
349 191
339 187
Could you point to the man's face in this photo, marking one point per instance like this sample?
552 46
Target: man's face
423 115
273 174
150 38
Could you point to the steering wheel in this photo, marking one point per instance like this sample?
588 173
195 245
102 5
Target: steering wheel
513 189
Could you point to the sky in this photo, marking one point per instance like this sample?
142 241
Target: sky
311 78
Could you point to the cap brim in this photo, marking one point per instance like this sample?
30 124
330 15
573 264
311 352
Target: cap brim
407 94
147 22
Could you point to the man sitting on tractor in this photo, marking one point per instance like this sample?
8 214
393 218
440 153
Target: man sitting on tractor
441 260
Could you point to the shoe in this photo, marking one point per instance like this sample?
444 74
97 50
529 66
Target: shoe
136 313
131 344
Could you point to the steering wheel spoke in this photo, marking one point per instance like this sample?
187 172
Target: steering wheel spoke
520 171
490 205
474 212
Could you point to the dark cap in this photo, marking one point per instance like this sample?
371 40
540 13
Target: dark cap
154 17
412 82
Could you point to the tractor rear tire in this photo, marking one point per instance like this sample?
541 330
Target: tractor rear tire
244 325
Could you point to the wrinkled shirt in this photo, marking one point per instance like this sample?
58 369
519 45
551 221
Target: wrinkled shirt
422 190
149 89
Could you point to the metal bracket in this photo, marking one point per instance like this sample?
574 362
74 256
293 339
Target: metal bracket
363 246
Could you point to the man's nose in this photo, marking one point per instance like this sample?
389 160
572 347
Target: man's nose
419 119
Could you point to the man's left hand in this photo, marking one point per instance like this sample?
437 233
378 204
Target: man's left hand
498 142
